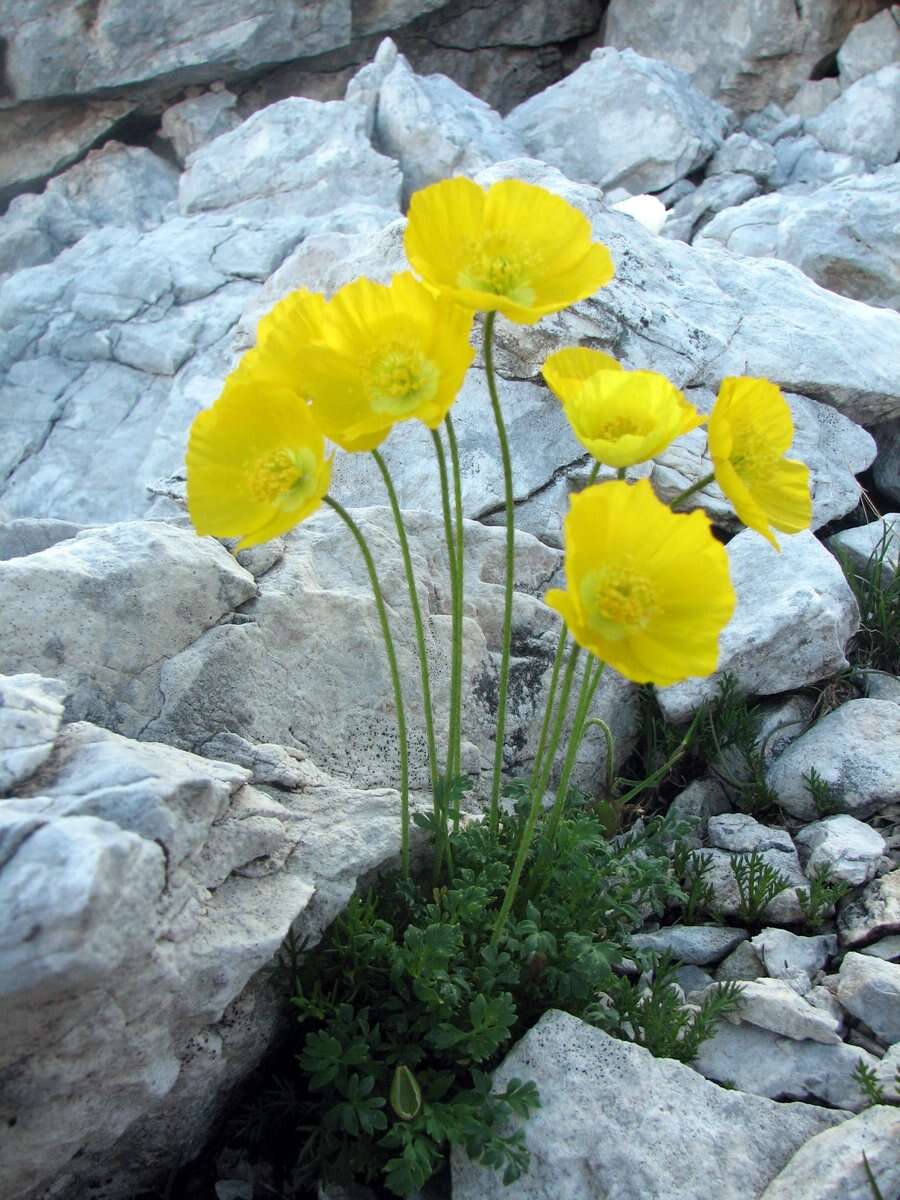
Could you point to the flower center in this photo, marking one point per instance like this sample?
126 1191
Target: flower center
401 379
283 478
752 457
498 263
618 427
617 600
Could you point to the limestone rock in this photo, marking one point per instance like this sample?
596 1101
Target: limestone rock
39 140
742 963
651 127
597 1093
871 45
871 915
843 235
430 125
830 1166
805 166
773 1005
135 991
783 909
886 471
794 615
66 51
879 541
694 944
689 216
742 834
192 123
141 593
869 988
865 119
298 145
167 647
759 1061
757 52
856 751
847 849
31 710
785 953
118 185
812 96
745 155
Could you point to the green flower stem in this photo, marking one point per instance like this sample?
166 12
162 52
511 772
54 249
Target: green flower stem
551 696
440 812
417 620
537 794
395 677
593 673
695 487
610 752
503 681
456 661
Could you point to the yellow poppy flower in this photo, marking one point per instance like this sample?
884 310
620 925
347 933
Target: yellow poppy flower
648 590
371 356
515 249
750 430
621 417
256 461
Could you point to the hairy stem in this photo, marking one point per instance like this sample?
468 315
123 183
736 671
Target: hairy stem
395 677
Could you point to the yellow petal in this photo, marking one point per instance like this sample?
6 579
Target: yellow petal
566 370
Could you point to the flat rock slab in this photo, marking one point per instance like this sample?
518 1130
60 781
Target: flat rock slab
869 989
831 1167
695 944
873 914
616 1122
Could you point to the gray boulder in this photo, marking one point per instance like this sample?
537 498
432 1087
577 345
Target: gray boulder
598 1094
698 945
830 1166
843 847
762 1062
795 613
869 989
125 186
31 711
642 124
135 991
865 545
871 45
865 119
829 234
192 123
752 53
856 751
873 914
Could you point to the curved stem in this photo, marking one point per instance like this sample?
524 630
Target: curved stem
537 796
551 696
503 681
610 751
456 664
695 487
589 685
395 677
417 621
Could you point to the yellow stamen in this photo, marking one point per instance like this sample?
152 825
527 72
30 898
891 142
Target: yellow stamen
617 600
401 379
498 263
285 478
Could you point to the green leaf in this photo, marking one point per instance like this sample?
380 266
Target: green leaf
406 1095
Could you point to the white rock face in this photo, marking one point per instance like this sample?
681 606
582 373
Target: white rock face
64 51
753 52
31 710
166 646
759 1061
145 965
843 235
125 186
873 914
39 140
795 613
694 944
598 1093
846 848
871 45
855 749
641 124
745 155
111 349
319 150
865 119
429 124
742 834
830 1166
879 541
774 1005
785 953
869 988
192 123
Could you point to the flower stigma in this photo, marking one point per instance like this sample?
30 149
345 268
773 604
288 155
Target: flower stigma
617 601
400 379
499 264
284 478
